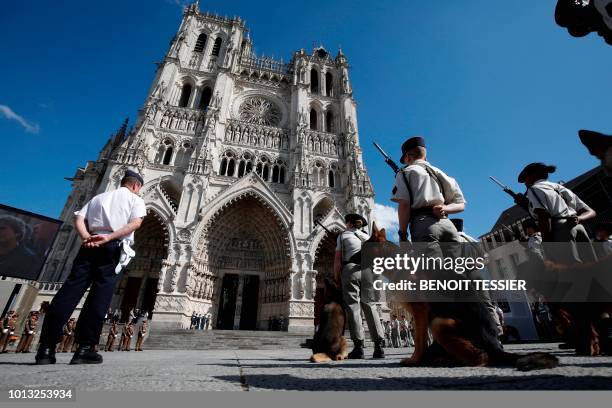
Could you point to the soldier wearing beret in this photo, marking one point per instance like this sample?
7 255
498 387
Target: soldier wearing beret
106 225
348 273
425 197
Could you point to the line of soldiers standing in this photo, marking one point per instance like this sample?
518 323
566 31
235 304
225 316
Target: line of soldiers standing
126 336
426 196
8 326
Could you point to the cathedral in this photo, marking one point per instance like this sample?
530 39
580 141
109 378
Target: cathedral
249 165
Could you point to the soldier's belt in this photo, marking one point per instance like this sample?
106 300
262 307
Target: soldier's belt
421 211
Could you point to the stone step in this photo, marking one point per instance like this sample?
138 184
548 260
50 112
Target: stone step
182 339
178 339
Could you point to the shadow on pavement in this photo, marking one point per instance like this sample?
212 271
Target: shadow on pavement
537 382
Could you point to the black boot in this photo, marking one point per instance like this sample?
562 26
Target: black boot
45 355
86 355
357 352
378 349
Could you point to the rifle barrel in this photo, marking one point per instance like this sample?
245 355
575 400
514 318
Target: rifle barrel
323 226
380 149
499 183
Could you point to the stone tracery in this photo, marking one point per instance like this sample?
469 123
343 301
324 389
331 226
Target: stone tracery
259 111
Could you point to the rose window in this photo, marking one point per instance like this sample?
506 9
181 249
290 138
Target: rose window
260 111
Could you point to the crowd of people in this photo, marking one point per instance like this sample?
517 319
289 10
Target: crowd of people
200 321
398 332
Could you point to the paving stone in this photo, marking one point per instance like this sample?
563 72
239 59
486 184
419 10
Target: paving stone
289 369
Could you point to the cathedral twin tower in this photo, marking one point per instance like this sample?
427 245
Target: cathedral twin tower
240 155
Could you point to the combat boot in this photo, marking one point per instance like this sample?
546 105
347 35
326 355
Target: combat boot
86 355
45 355
378 349
357 352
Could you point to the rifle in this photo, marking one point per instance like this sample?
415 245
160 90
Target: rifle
388 159
396 169
324 227
519 199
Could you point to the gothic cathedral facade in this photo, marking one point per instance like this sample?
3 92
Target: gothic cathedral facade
242 156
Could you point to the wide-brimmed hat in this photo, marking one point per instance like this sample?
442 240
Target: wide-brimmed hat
352 217
531 168
594 141
411 143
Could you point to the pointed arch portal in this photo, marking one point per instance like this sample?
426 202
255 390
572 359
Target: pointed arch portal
138 286
324 265
247 250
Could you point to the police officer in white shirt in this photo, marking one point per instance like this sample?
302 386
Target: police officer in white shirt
105 224
348 272
425 197
560 213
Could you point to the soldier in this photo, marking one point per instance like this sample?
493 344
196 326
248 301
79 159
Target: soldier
6 330
534 238
69 335
64 339
11 325
106 226
560 213
425 197
28 333
112 335
142 330
122 339
388 334
126 336
357 297
395 331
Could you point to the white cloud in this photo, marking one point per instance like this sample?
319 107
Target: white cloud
180 3
9 114
385 217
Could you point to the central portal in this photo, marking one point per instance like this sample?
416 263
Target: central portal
246 248
238 302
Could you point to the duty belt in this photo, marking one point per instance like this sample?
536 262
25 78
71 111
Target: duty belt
421 211
354 259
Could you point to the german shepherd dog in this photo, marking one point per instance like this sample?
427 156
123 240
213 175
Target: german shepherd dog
464 334
329 343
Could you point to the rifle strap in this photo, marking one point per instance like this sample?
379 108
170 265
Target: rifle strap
533 191
436 179
407 186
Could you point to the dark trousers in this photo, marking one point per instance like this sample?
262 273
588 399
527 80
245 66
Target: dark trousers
93 267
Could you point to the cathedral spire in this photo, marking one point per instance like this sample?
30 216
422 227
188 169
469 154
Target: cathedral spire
121 133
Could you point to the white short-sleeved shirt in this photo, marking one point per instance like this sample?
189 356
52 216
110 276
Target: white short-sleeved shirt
349 243
558 200
426 191
112 210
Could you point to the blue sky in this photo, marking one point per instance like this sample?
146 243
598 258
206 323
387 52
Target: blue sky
491 84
